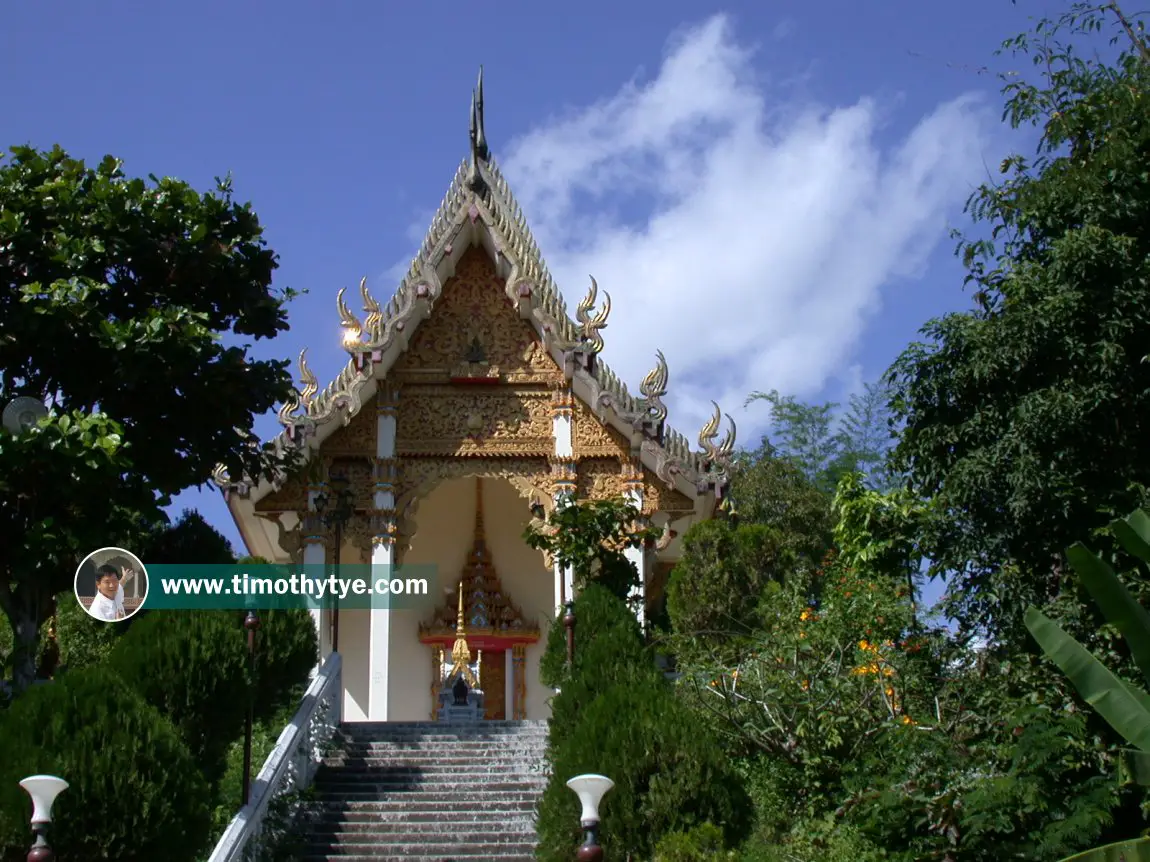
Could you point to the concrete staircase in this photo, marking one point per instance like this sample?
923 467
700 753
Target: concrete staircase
429 792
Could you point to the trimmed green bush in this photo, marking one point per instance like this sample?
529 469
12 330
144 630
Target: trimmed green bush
670 775
84 641
609 651
701 844
598 613
193 667
616 715
714 590
287 648
229 792
135 793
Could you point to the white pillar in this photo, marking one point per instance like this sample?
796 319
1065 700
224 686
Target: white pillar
509 684
562 420
382 552
633 494
314 559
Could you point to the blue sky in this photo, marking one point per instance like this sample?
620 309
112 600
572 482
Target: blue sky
764 188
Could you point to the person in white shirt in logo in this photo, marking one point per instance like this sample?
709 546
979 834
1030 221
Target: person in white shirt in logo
104 606
123 576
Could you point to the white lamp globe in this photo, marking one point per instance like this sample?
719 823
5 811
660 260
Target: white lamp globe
590 789
43 789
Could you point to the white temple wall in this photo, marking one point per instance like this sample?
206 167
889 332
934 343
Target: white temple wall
446 531
354 629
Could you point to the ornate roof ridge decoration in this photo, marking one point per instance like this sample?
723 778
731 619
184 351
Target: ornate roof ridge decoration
479 192
483 605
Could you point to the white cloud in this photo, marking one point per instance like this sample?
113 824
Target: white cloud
747 236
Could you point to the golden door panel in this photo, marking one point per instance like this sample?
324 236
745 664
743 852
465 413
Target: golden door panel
493 679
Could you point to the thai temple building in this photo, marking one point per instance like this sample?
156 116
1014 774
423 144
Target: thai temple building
471 405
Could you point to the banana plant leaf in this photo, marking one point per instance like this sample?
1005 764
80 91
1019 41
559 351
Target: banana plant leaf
1133 532
1137 850
1134 767
1109 695
1120 608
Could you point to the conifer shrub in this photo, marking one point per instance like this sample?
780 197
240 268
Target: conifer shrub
598 613
704 843
616 715
670 775
134 790
609 650
82 640
193 667
287 648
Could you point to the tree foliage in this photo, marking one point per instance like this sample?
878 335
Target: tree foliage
1025 418
193 668
591 537
116 295
189 540
135 792
712 596
615 715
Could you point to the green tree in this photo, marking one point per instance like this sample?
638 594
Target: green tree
825 442
134 793
187 540
592 538
713 593
117 296
1024 418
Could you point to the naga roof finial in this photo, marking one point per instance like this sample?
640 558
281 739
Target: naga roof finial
480 132
478 135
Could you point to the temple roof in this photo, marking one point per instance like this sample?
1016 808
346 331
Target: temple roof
479 209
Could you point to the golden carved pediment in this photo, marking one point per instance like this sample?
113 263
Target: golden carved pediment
476 420
358 437
657 497
591 438
475 332
291 497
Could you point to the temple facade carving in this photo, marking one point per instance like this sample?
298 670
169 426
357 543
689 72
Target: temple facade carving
471 405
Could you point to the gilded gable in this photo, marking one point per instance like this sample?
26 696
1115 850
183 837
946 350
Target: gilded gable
358 437
475 332
291 497
591 438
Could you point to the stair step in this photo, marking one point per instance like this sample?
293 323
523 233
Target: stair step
445 793
391 791
473 772
408 837
461 855
488 850
515 823
380 809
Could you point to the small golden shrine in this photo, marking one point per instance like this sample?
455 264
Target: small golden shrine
484 619
461 652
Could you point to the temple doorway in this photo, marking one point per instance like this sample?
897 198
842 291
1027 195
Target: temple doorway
484 632
493 682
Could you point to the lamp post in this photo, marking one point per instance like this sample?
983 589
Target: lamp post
43 789
335 510
252 624
569 624
590 790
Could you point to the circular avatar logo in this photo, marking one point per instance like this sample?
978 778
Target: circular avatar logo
111 584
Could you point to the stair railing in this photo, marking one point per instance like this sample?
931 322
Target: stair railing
290 767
